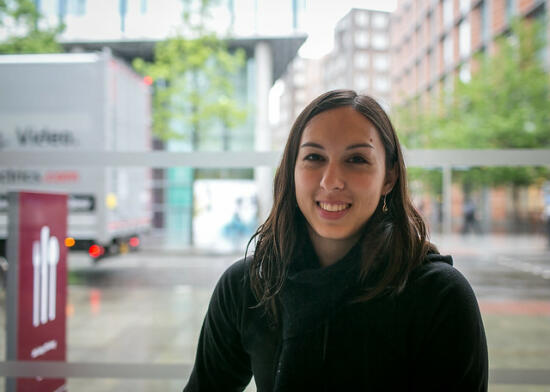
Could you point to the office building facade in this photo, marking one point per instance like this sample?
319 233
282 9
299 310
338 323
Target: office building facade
360 60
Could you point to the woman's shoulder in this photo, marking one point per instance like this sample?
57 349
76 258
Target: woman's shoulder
235 281
439 301
438 276
233 288
236 275
434 268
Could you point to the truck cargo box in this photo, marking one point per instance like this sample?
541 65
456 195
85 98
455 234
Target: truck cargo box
88 102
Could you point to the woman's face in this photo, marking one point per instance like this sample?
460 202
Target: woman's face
340 173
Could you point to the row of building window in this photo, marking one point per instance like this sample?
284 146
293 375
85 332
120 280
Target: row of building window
78 7
61 7
361 64
365 19
379 21
448 10
364 40
448 19
379 83
381 62
415 80
464 47
361 82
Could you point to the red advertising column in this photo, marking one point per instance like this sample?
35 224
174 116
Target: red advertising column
37 285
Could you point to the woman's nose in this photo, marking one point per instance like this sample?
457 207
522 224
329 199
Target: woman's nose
332 178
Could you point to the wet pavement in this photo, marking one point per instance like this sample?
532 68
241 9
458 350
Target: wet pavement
502 268
147 307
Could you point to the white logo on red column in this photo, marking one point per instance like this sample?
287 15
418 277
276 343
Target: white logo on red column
45 256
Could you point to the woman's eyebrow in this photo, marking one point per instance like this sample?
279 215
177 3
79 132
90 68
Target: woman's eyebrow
351 147
359 145
314 145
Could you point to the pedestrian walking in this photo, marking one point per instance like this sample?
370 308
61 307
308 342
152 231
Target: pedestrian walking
470 218
344 291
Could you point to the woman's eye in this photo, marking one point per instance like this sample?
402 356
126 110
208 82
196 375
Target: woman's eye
313 157
357 159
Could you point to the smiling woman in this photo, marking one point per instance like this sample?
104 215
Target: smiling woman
343 291
339 178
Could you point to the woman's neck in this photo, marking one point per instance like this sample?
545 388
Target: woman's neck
329 251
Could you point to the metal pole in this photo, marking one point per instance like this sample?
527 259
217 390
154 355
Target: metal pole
447 183
264 81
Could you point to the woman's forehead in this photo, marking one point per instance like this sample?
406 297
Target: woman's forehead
340 125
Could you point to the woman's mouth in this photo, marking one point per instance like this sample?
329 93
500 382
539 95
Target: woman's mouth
332 210
333 207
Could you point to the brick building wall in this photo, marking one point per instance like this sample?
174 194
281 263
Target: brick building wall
426 40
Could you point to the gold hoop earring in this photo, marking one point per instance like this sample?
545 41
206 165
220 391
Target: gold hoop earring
384 206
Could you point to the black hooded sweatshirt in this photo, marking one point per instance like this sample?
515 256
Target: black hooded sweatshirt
429 337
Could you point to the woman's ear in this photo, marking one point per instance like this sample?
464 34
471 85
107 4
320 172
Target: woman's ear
390 180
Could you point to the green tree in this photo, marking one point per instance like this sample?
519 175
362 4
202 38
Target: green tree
195 79
506 104
22 24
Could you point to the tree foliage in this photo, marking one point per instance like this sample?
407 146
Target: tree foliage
195 78
506 104
23 30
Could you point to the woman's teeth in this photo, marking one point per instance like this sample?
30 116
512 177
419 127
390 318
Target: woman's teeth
333 207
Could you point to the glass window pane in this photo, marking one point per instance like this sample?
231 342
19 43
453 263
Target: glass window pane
362 18
380 21
361 39
464 74
381 84
380 41
381 62
464 38
361 82
464 6
448 56
447 12
361 60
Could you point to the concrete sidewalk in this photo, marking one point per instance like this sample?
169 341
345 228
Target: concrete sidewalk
472 244
483 244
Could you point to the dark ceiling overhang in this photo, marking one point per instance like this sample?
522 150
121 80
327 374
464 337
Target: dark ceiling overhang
283 48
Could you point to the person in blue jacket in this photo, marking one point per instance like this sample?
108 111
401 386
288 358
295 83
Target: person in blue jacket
343 291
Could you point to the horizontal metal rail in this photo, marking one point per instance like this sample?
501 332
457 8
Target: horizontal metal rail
471 158
56 369
155 159
249 159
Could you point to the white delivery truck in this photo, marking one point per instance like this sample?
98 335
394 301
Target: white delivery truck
84 102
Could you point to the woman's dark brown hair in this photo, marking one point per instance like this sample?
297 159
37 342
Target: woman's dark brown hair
393 243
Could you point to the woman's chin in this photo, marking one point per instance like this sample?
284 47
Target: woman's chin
334 234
